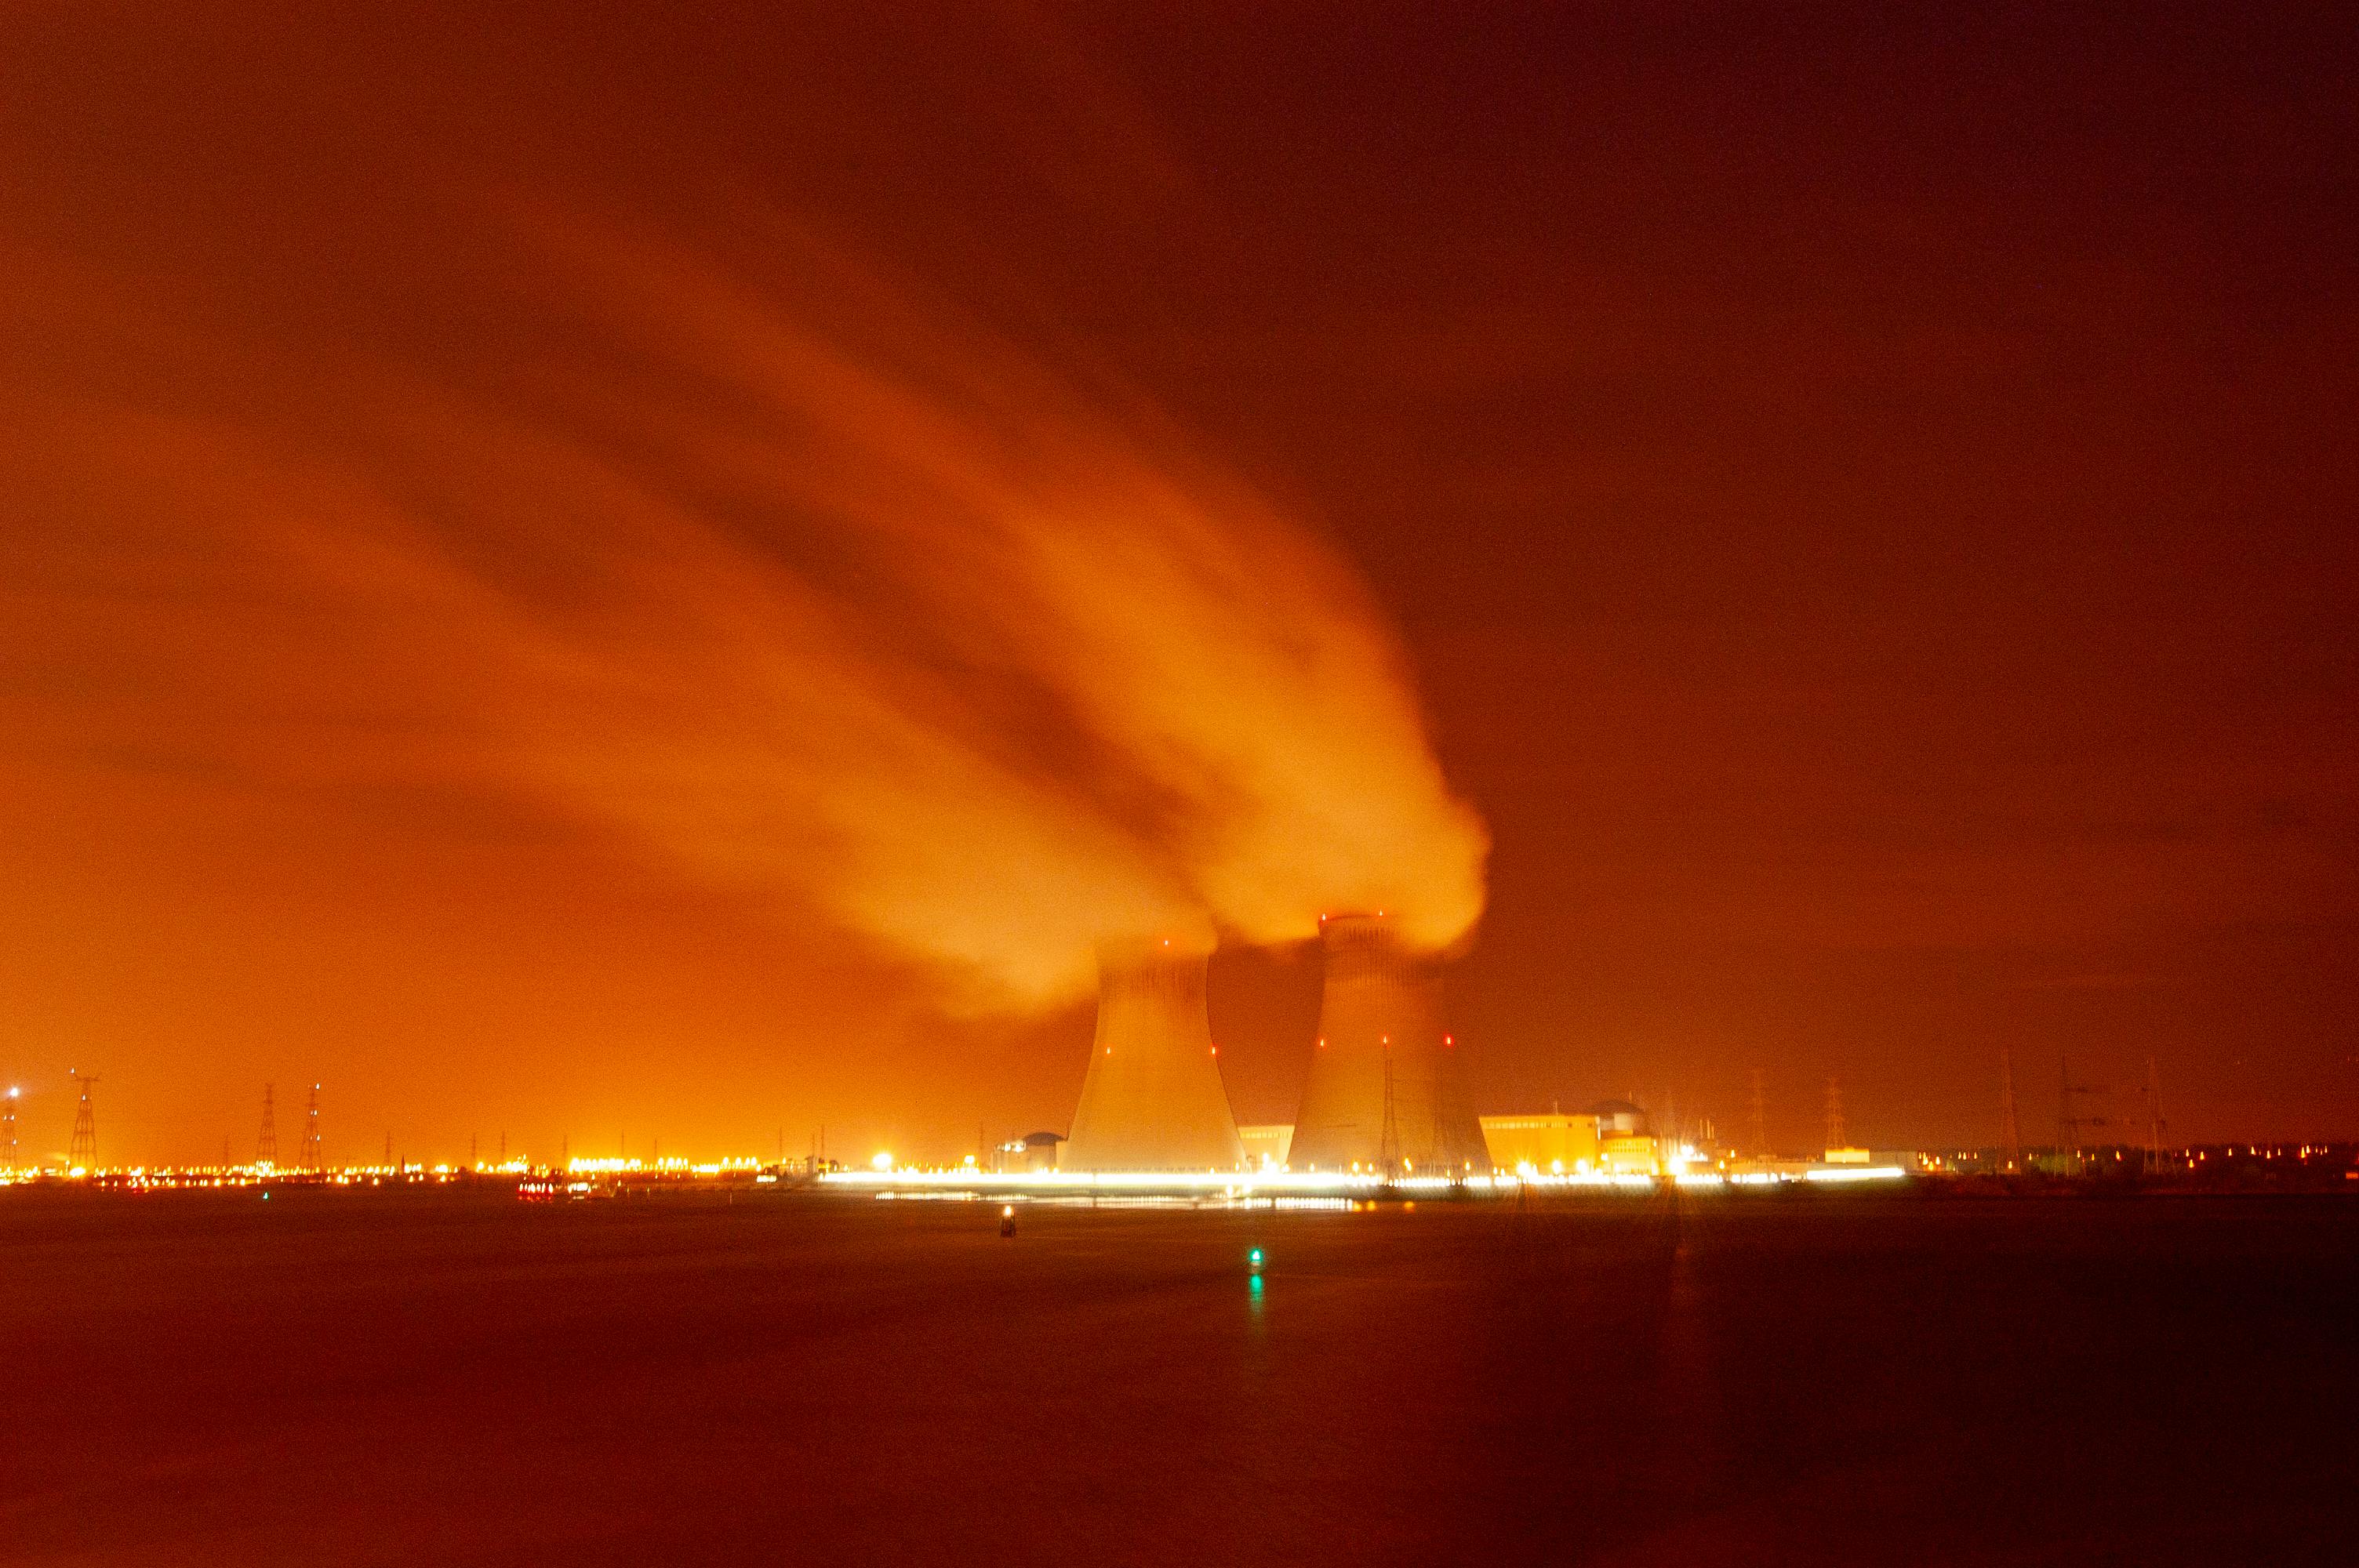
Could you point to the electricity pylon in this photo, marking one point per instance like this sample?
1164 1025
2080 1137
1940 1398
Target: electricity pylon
82 1152
2068 1125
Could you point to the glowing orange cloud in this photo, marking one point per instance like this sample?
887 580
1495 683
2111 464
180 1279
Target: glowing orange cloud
809 587
1229 667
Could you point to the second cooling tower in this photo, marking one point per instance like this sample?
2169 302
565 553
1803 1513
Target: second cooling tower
1383 1092
1153 1099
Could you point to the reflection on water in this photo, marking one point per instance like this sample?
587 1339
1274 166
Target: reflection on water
1657 1379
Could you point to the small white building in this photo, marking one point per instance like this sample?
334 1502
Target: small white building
1266 1143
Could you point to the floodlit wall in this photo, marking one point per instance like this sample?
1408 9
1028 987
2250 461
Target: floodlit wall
1554 1143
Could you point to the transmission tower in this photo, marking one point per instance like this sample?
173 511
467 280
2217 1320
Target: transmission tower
2154 1121
1835 1114
1760 1117
309 1158
8 1128
2010 1132
83 1151
1388 1140
265 1148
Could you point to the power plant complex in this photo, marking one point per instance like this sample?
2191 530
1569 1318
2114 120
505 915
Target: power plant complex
1385 1107
1385 1104
1383 1094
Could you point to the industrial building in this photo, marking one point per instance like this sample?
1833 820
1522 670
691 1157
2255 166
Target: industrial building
1554 1143
1627 1144
1267 1144
1612 1138
1034 1151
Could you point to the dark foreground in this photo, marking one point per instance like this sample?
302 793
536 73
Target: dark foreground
442 1376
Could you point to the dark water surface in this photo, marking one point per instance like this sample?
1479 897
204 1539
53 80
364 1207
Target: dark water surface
440 1377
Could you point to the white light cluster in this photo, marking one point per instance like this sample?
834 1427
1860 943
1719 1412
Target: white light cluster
1245 1185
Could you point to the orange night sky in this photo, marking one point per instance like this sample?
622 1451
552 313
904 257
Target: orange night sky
594 582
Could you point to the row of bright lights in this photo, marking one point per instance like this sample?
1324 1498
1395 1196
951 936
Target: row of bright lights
143 1179
886 1173
614 1166
1232 1183
265 1170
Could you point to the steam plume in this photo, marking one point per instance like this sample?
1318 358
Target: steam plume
1246 694
808 585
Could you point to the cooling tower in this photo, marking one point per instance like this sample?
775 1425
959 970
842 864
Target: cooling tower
1153 1099
1383 1091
